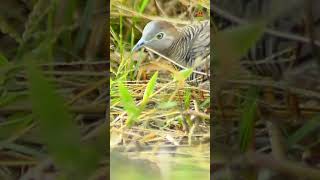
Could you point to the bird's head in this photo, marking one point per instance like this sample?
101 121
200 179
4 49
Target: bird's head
157 35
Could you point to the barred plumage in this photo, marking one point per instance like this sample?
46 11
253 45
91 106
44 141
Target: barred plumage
188 46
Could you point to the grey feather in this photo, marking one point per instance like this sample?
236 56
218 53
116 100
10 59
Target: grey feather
189 46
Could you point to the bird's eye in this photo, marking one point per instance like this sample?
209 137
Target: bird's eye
160 35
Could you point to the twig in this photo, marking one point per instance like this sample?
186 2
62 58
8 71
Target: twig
278 85
276 138
160 9
87 90
172 61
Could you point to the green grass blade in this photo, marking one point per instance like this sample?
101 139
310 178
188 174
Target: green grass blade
248 118
238 40
85 25
143 5
149 89
183 74
305 130
68 20
232 44
4 63
187 99
61 135
129 105
3 60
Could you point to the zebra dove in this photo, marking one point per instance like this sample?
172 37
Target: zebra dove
188 46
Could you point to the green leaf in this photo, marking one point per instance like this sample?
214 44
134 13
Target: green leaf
3 60
85 26
306 129
129 105
247 118
4 68
140 9
68 15
61 135
111 83
232 44
206 103
149 89
186 73
143 5
187 97
183 74
237 41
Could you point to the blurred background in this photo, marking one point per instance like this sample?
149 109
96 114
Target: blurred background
266 89
53 89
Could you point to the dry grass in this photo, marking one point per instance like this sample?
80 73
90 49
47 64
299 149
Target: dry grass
172 130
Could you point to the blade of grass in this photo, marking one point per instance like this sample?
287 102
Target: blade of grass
129 105
4 63
232 44
187 99
149 89
240 39
183 75
68 15
143 5
61 135
305 130
85 25
3 60
248 118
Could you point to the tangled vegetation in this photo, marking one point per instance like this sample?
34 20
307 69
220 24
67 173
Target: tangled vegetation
157 119
53 90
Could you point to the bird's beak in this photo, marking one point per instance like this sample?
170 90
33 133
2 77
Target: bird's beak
138 46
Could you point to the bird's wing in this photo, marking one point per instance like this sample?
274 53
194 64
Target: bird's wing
200 46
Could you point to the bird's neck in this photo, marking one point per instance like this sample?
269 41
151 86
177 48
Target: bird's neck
179 49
